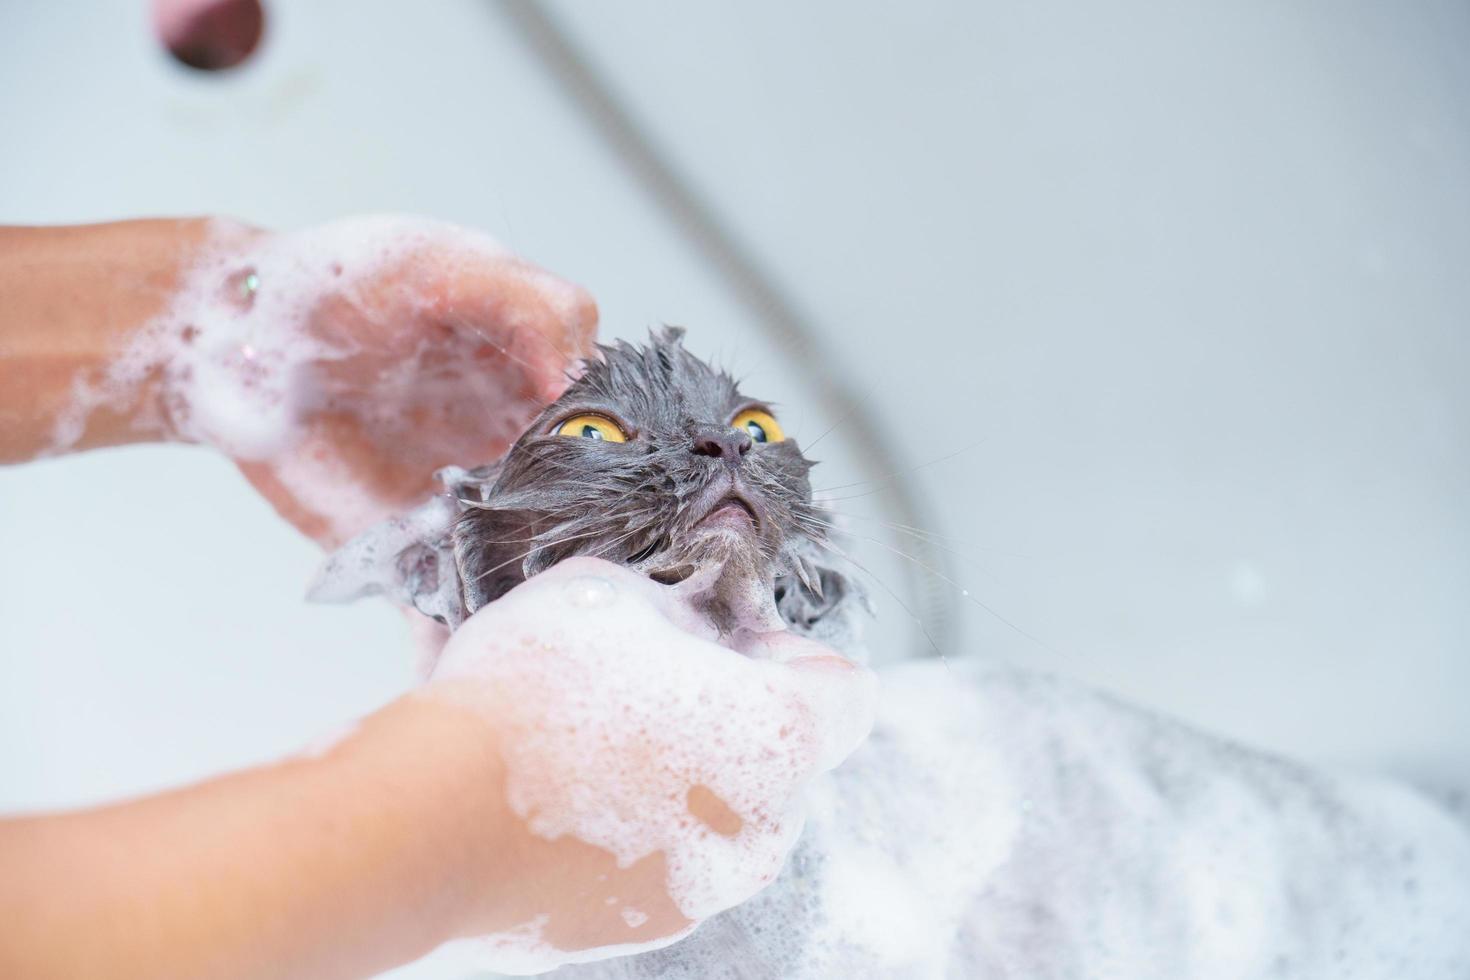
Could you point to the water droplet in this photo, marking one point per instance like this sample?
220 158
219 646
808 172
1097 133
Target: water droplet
590 592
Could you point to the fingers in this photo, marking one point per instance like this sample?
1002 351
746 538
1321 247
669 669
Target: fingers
843 699
533 318
447 368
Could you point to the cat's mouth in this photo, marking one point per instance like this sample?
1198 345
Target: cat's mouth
733 510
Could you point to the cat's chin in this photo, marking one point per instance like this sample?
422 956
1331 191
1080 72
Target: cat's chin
727 543
726 576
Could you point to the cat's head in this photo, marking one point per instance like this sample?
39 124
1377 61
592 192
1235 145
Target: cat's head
654 460
651 459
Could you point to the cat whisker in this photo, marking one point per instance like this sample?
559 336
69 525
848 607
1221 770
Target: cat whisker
900 474
964 592
463 323
830 429
837 528
922 537
541 546
541 515
904 605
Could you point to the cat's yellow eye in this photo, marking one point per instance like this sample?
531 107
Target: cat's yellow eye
598 427
760 424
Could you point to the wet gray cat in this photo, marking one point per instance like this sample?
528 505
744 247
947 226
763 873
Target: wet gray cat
651 459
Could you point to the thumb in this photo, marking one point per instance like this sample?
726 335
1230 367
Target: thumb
842 697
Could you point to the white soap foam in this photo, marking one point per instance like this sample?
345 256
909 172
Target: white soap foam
324 486
999 824
369 563
624 702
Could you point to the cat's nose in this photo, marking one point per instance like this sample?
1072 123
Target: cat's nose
728 444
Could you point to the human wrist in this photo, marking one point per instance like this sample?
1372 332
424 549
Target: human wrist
170 255
432 769
529 894
205 268
79 367
70 297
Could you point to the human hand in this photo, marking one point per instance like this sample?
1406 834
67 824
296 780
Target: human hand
342 365
652 776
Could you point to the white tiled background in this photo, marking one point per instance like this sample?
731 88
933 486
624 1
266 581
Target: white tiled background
1192 285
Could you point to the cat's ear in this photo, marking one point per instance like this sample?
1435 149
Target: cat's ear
667 336
490 548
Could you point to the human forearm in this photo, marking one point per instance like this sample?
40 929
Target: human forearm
71 299
340 865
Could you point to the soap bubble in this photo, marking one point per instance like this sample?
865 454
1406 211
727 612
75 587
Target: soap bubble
590 592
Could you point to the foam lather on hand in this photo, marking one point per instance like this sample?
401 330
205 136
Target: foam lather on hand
619 707
233 346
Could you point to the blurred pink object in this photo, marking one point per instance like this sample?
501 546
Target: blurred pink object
209 35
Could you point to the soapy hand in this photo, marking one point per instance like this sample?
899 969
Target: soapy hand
341 366
654 775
